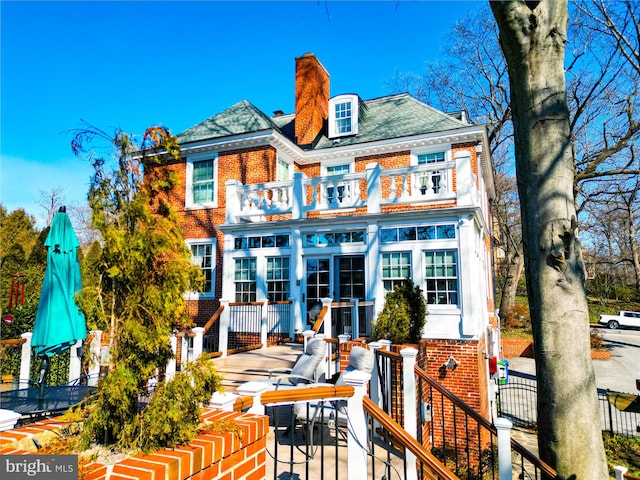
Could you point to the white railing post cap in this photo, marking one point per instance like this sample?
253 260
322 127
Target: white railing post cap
502 423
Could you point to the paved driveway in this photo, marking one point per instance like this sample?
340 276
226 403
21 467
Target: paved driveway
618 374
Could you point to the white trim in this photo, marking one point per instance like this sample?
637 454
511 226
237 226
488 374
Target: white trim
214 255
189 202
354 102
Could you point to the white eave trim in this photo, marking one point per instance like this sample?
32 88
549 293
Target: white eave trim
280 142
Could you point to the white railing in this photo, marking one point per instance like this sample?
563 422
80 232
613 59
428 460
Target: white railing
371 190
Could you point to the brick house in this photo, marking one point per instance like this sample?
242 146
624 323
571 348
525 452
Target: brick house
343 199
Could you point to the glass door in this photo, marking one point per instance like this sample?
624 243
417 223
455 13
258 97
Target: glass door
341 277
317 286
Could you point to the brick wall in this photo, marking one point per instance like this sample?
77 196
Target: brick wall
517 347
468 382
209 456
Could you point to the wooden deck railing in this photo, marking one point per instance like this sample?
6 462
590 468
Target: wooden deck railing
430 466
214 318
319 321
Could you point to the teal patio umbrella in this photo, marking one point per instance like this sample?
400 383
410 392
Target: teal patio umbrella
59 322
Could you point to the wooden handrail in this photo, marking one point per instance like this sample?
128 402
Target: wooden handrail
320 319
438 470
214 318
389 354
13 341
292 395
242 403
483 422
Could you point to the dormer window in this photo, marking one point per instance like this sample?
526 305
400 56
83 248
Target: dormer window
343 115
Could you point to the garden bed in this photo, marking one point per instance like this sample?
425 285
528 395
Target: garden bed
212 455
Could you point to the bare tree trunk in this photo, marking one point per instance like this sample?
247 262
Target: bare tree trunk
532 36
512 276
633 244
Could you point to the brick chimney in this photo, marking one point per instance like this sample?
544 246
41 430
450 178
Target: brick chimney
312 98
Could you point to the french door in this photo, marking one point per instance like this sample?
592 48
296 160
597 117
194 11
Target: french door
339 277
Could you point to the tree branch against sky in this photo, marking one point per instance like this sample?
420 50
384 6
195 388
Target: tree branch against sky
602 91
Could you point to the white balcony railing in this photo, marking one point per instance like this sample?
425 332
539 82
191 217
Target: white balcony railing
371 190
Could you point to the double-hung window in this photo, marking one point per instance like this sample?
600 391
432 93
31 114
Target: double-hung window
202 182
282 170
441 277
396 268
431 181
278 279
245 279
343 117
203 255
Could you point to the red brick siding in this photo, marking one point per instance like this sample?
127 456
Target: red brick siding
212 456
517 347
468 382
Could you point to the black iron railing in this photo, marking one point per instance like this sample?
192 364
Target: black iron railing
517 401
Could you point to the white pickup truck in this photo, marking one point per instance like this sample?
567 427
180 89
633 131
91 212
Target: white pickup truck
625 318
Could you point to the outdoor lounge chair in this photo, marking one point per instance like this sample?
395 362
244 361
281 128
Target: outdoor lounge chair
317 412
307 369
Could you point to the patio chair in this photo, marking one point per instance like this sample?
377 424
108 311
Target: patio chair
307 369
318 411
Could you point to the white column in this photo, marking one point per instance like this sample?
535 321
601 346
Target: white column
298 197
75 362
326 302
184 351
465 179
410 407
357 464
25 360
197 342
374 188
94 357
263 322
470 278
233 206
504 447
255 390
170 370
375 288
296 267
223 332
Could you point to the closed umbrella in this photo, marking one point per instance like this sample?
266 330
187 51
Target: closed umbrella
59 322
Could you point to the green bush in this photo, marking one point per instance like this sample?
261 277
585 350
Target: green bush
403 315
623 451
171 418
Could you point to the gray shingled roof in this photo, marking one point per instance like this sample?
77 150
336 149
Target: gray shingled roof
384 118
238 119
394 117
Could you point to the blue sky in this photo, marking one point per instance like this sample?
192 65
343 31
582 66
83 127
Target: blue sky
135 64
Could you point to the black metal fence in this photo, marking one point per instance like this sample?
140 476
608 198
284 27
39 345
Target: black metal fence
517 400
342 318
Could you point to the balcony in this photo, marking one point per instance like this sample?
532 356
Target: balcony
419 186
